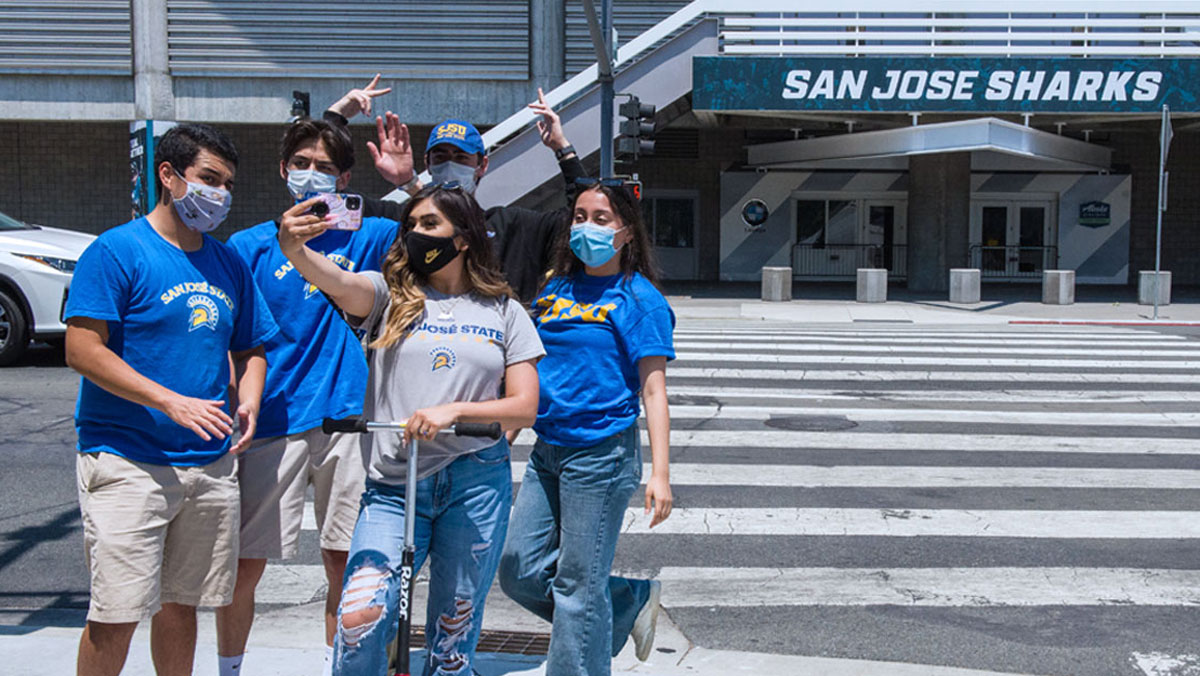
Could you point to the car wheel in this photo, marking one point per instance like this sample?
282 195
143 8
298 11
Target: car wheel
14 337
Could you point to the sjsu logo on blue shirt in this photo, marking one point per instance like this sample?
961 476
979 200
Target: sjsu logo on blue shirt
310 289
443 358
204 313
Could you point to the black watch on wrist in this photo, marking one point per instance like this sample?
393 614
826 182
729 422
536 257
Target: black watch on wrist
563 152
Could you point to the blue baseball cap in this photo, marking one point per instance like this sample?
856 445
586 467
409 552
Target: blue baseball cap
459 133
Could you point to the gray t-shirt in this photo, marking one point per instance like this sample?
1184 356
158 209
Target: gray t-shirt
457 351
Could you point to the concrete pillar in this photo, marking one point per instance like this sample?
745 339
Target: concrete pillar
1146 287
939 212
964 285
548 43
872 285
1058 287
777 284
153 90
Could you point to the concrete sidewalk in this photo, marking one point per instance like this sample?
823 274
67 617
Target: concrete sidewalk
289 642
1010 306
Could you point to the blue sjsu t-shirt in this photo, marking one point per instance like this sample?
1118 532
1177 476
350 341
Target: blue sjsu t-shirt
315 364
173 316
595 329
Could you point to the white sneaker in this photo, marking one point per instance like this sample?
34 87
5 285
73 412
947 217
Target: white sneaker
647 618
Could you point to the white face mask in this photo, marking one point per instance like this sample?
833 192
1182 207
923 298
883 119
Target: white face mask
453 172
203 207
300 182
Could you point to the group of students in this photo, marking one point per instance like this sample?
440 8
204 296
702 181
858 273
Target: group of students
543 320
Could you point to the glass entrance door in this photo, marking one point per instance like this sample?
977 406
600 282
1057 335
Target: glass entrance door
1012 239
885 233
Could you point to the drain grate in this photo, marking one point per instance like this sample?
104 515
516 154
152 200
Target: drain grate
510 642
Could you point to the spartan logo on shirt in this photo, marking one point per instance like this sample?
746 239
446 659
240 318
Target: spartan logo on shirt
311 290
341 261
203 313
443 358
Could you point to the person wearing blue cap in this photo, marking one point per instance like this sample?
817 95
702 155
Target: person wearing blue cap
523 239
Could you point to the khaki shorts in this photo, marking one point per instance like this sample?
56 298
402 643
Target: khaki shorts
156 534
274 474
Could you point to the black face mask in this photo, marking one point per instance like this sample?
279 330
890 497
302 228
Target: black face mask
428 254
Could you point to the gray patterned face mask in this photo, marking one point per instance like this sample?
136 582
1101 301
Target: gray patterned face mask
453 172
203 207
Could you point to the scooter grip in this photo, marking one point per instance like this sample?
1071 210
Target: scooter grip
467 429
355 423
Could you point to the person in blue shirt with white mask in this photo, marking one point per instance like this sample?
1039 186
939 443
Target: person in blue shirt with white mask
607 333
317 370
156 309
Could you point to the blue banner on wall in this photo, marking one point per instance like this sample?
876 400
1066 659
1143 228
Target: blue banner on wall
961 84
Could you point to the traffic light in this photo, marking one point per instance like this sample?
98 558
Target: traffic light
637 130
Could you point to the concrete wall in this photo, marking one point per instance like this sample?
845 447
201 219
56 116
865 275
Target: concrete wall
717 149
152 91
76 175
1181 222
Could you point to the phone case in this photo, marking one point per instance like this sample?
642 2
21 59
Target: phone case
346 209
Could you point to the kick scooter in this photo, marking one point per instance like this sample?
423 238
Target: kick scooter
360 425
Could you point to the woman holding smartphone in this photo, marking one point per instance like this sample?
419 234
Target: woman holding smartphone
607 332
448 344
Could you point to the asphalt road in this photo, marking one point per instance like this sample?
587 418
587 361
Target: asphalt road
916 417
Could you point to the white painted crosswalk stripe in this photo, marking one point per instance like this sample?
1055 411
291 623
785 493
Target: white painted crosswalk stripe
1104 418
961 587
1064 396
1048 352
893 441
790 332
1128 388
1049 360
1106 377
1069 524
889 476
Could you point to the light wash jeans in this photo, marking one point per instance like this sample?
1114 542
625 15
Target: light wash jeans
557 561
462 516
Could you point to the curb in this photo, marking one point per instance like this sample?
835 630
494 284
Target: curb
1096 322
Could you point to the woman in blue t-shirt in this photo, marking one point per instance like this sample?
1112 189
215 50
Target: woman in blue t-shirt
607 334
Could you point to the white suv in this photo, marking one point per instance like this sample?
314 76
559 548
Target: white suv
36 264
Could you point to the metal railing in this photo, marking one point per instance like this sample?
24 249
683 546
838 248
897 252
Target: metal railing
973 28
1013 262
842 261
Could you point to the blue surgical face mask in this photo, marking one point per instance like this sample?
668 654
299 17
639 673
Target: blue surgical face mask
593 244
300 182
450 172
202 207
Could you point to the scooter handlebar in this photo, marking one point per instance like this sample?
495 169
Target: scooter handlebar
358 424
467 429
355 423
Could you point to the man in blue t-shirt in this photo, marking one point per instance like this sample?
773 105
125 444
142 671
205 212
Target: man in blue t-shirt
156 309
317 371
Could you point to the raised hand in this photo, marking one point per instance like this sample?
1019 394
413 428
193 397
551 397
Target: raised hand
549 126
359 100
393 155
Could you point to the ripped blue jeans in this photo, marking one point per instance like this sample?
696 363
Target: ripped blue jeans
462 517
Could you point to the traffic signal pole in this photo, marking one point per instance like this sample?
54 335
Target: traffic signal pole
600 28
